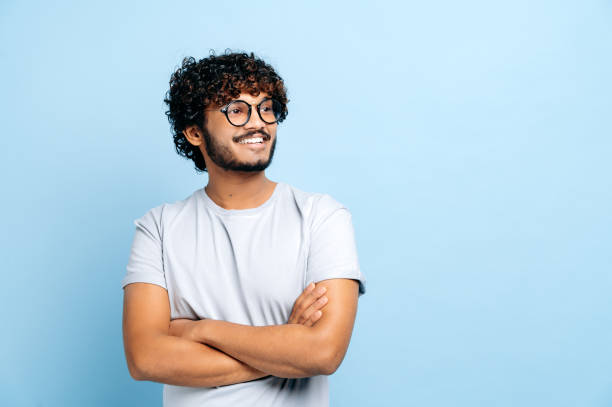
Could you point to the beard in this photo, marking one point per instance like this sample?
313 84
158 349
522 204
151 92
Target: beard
222 156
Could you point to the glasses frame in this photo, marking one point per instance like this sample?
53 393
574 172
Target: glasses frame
225 108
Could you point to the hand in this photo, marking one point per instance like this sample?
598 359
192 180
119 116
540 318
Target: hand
307 308
182 327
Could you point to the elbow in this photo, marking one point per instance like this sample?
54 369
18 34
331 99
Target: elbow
329 367
330 360
136 373
330 351
136 367
141 358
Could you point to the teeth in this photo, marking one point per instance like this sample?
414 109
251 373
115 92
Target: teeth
252 140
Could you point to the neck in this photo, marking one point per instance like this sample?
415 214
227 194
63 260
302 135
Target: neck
239 190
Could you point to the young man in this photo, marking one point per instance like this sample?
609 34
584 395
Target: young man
245 292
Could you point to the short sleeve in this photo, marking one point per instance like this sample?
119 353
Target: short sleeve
145 264
333 251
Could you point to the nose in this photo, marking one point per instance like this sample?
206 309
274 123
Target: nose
254 121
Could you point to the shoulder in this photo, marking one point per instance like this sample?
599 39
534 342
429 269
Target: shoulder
163 215
317 206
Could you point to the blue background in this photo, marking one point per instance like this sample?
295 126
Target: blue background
470 140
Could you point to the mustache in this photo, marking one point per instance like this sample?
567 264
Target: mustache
262 133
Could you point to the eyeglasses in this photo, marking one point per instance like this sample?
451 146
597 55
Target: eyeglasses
238 112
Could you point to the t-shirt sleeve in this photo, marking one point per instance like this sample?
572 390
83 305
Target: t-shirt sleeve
333 251
145 264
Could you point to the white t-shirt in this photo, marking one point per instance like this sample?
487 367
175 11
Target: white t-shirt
246 266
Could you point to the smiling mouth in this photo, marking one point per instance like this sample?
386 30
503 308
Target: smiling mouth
254 139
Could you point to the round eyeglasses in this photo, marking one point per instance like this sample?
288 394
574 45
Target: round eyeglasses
238 112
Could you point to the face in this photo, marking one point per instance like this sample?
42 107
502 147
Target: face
222 145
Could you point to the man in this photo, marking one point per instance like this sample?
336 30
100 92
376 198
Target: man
245 292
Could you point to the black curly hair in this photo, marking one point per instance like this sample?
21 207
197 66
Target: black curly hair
213 82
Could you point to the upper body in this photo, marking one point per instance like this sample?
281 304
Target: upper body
232 258
245 266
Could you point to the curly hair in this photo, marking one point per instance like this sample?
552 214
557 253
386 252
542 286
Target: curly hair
215 81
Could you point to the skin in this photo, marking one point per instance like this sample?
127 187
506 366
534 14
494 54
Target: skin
289 350
211 352
159 351
236 189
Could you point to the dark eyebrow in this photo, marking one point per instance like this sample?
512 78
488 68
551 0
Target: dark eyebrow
255 103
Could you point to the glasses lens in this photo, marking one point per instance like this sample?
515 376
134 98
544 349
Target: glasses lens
238 113
270 110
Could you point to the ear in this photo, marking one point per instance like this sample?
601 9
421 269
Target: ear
193 134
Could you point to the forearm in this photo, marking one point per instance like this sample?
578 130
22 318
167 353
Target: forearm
179 361
290 351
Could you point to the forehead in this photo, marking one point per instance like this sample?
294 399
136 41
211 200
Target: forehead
247 97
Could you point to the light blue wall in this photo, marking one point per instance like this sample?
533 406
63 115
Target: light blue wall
470 140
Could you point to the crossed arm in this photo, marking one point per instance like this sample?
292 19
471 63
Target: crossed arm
210 353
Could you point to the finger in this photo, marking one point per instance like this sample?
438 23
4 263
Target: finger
299 305
303 304
309 298
316 293
314 307
181 320
314 318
